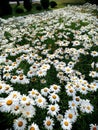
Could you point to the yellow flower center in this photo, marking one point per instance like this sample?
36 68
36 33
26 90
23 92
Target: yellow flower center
48 123
24 98
77 99
54 96
71 91
28 113
94 128
66 123
83 88
32 128
16 108
14 77
52 108
7 88
39 100
70 116
21 77
0 104
45 90
88 107
28 103
55 87
9 102
0 87
73 104
33 93
20 123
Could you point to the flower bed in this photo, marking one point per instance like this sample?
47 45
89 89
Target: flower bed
50 70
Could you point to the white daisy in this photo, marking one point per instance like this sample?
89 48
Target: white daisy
66 124
71 114
41 102
19 124
55 88
53 109
93 127
33 126
48 123
45 91
54 98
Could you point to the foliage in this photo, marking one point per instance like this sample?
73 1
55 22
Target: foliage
45 4
53 4
27 5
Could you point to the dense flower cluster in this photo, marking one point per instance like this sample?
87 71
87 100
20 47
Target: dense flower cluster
34 45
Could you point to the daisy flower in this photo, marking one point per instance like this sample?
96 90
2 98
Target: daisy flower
45 67
49 123
7 76
85 106
71 91
93 127
8 104
54 98
19 124
41 73
41 102
33 93
14 79
33 126
67 70
45 91
59 117
24 99
53 109
66 124
16 109
55 88
28 111
71 114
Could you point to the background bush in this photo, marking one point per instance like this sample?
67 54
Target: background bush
53 4
5 8
44 3
27 5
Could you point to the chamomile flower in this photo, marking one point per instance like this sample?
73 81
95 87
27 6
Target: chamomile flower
49 123
66 124
19 124
33 126
53 109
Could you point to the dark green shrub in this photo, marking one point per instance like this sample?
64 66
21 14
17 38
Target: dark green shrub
5 8
39 7
19 10
53 4
44 3
28 5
